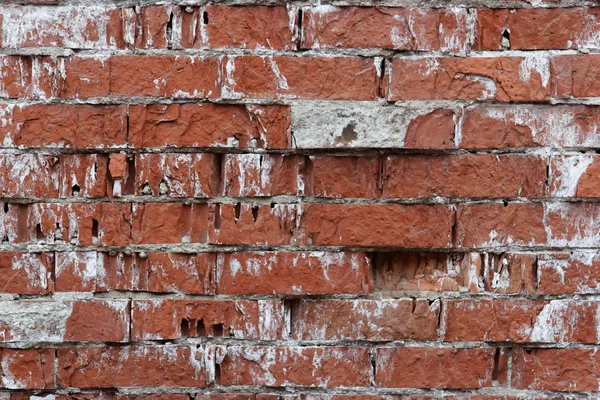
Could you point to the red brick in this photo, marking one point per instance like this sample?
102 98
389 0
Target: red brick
164 76
296 366
271 225
384 28
274 77
479 78
83 175
425 367
410 271
293 273
104 367
537 28
247 175
345 176
240 319
26 273
482 175
493 224
572 224
155 272
208 125
571 369
84 224
38 321
520 321
60 125
569 273
68 27
177 174
511 273
27 368
16 75
378 320
29 175
154 223
575 75
151 31
530 126
395 225
574 176
249 27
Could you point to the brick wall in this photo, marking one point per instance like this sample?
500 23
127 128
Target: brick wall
239 201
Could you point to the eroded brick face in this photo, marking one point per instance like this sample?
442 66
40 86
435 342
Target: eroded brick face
315 200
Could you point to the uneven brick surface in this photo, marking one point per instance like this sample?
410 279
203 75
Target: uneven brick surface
299 200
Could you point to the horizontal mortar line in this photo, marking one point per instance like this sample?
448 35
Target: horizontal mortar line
277 101
288 343
316 151
396 3
293 391
302 200
299 53
379 295
213 248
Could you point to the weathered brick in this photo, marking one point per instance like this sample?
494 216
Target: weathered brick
34 321
282 77
246 175
296 366
344 176
83 224
244 223
83 175
169 223
530 126
482 175
496 224
569 369
393 225
61 125
479 78
572 224
520 321
569 273
293 273
26 273
27 368
575 75
574 175
240 319
537 28
177 174
154 272
76 27
421 271
104 367
324 26
424 367
379 320
511 273
209 125
29 175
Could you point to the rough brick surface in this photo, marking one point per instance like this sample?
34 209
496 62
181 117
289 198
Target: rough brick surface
299 200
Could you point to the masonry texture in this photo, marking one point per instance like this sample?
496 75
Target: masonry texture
254 200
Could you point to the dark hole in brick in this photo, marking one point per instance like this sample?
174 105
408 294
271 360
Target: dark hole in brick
505 202
75 190
185 327
528 351
205 18
217 330
170 32
5 207
39 235
218 374
496 365
200 328
217 218
238 210
94 228
255 213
